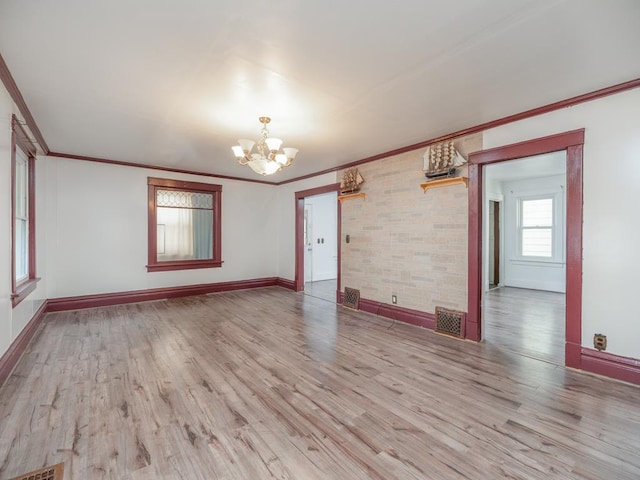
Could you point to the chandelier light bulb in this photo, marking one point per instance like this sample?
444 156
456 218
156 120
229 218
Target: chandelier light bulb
246 145
237 151
273 144
290 152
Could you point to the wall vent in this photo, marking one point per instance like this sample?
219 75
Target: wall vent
450 322
351 298
54 472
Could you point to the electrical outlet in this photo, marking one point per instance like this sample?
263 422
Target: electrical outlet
600 341
394 299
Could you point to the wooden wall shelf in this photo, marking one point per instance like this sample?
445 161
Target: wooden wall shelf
351 196
443 182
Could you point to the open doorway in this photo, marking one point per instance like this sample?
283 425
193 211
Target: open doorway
321 246
524 224
317 269
572 143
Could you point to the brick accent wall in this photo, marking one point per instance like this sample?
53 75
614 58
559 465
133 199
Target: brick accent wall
404 242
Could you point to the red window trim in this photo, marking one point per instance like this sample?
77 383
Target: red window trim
152 263
20 139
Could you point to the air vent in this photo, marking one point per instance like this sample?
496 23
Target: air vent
54 472
351 298
450 322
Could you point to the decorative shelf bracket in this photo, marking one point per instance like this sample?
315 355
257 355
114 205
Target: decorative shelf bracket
351 196
443 182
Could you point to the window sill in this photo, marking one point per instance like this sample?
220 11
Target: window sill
185 265
23 290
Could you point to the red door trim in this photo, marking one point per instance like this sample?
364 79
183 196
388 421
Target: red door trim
572 142
299 266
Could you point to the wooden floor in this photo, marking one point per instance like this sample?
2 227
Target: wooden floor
324 289
528 322
270 384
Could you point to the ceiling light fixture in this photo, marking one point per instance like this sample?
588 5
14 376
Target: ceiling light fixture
267 161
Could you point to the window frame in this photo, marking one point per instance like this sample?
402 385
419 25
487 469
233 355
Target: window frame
557 228
20 140
155 184
551 228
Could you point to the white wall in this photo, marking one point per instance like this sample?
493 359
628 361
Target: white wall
611 266
13 320
324 220
523 272
97 230
95 226
285 205
493 186
92 230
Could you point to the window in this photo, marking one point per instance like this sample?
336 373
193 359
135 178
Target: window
23 213
184 225
536 227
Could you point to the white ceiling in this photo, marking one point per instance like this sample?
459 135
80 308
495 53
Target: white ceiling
543 165
176 83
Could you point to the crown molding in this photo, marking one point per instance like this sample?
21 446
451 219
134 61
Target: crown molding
18 99
152 167
13 90
569 102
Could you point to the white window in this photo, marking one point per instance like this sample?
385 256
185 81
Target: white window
23 261
185 225
537 227
21 216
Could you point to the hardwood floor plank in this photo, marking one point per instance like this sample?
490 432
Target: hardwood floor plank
324 289
529 322
270 384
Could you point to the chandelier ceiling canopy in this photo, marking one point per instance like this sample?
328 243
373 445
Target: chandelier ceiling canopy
268 159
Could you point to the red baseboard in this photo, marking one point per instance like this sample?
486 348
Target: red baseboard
401 314
285 283
117 298
615 366
394 312
573 355
10 358
589 360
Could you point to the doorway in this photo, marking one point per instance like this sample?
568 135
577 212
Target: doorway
494 245
317 258
321 246
524 296
572 143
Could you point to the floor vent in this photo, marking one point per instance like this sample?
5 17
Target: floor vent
351 298
54 472
450 322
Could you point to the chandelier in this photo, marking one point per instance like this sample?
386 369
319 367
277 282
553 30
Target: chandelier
268 160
